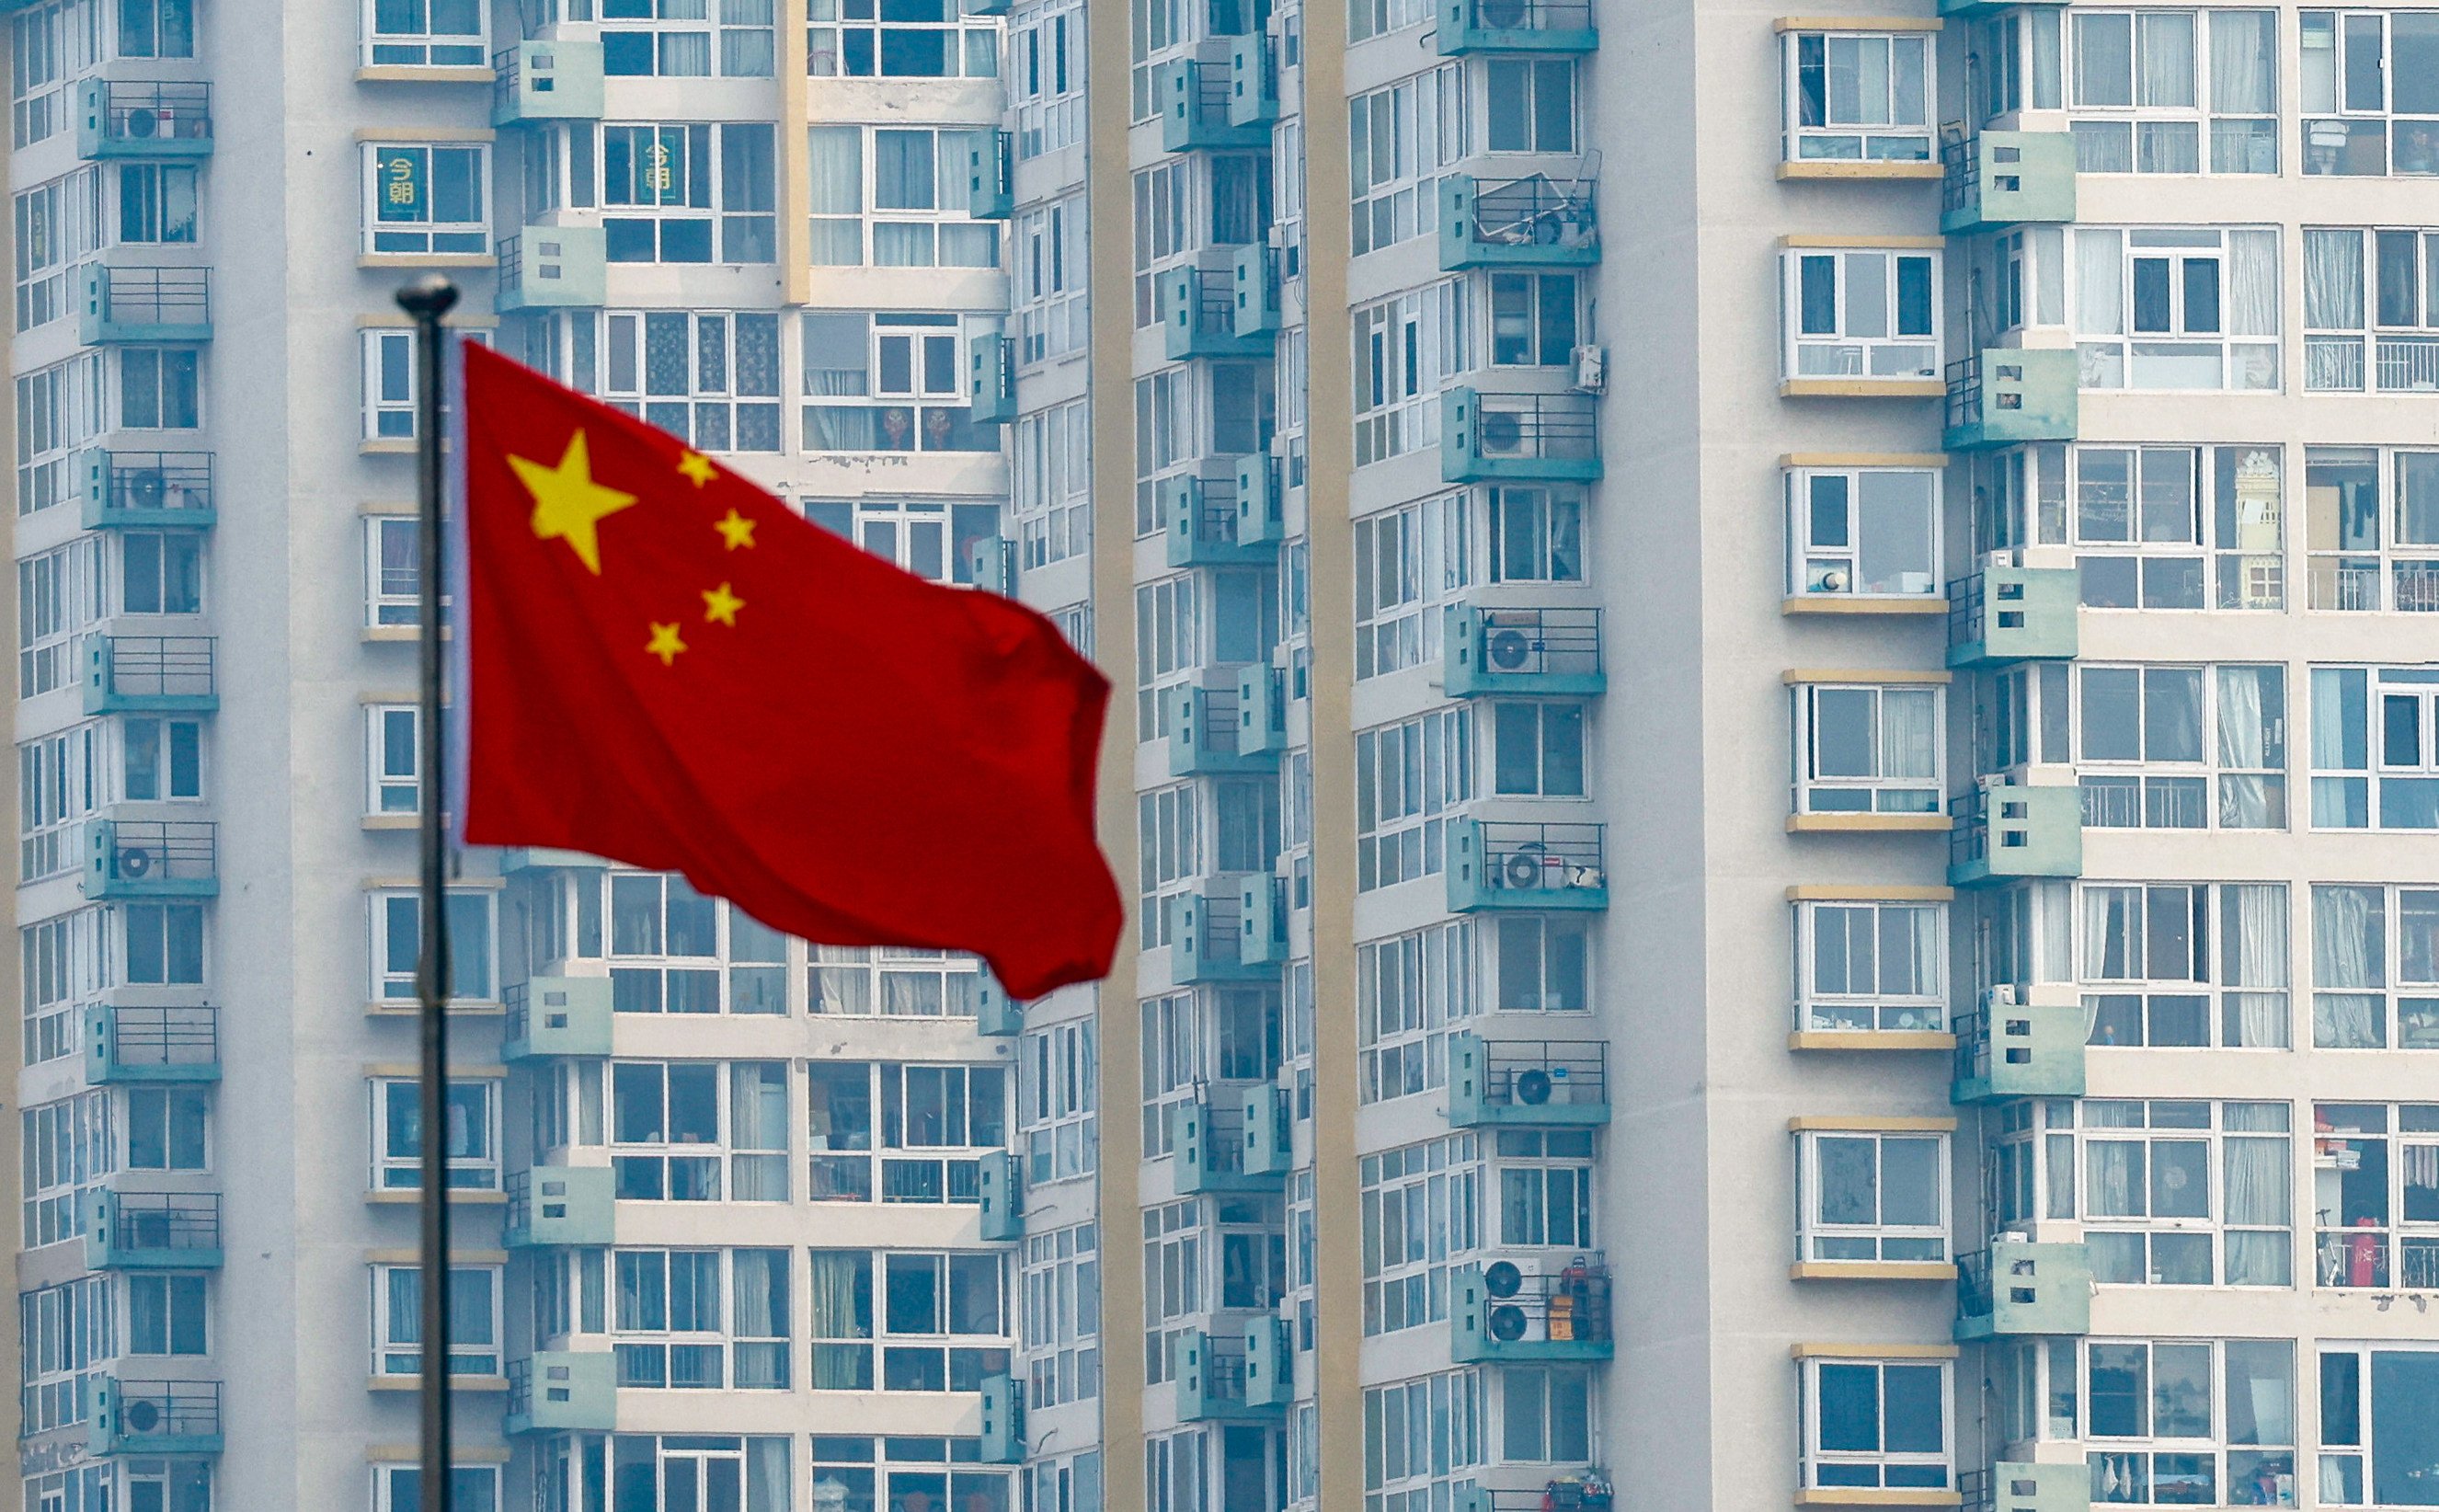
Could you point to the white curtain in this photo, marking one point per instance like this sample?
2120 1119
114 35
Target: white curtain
2252 283
2333 281
1909 737
766 1474
2260 1196
2248 707
2349 950
836 171
2111 924
2244 64
2166 56
2099 272
2114 1180
2254 922
2052 931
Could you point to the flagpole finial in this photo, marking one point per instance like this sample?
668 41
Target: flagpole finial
428 297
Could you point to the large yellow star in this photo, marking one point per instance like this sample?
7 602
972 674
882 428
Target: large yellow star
666 644
736 529
568 504
698 467
720 606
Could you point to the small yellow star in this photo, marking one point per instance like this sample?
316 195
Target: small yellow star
737 530
698 467
568 504
720 606
666 644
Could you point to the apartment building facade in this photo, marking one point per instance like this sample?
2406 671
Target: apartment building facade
1770 732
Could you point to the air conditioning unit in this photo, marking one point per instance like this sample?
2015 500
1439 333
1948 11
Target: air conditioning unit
1835 580
1498 433
147 487
132 862
1592 369
148 123
1999 999
1505 1283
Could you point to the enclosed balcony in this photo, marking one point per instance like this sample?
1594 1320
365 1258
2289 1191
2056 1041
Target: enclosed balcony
2020 1049
2009 395
1546 651
2000 616
999 1176
1518 438
154 1417
132 120
149 674
2023 1487
562 1391
2006 178
2002 831
1529 1311
1215 1383
1208 733
1526 1083
147 858
1470 27
1208 1140
1198 315
554 267
1002 1440
2016 1288
991 178
561 1204
1201 518
546 82
143 305
1493 865
992 384
1195 99
124 1045
151 1231
557 1016
1253 81
1535 221
1256 288
145 490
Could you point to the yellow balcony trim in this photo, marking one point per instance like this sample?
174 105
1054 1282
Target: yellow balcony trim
391 821
1869 893
1819 239
459 1197
1871 1270
1815 1349
410 136
1870 1040
424 74
1863 824
1875 1496
1861 388
409 1068
385 446
426 260
1813 168
1873 1122
1800 676
479 1383
1838 459
405 1008
1851 604
1860 23
463 1453
398 634
455 1257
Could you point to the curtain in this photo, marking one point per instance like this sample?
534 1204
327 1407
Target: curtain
2112 921
2349 950
1909 742
2166 58
2337 716
766 1474
2253 954
2112 1178
837 173
2099 293
471 1311
2247 705
2252 283
2333 281
2244 64
2258 1187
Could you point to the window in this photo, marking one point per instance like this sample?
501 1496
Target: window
1367 19
1421 1214
1045 49
471 1487
2375 747
1545 1414
2147 87
59 224
168 1127
160 759
2367 554
160 389
1168 856
1859 96
1876 1422
393 571
2371 98
393 759
1410 991
2374 968
2376 1193
1531 100
1545 1186
916 1473
474 1136
1053 478
156 204
893 981
1537 749
427 199
1050 305
1409 562
679 1471
167 1314
1057 1087
1406 350
2176 306
58 786
1063 1316
1399 138
58 408
924 40
673 1140
59 594
932 1124
53 43
665 44
673 951
2184 720
1862 533
907 191
64 1333
934 542
157 29
1872 1197
1871 966
2375 1424
710 380
2386 282
164 943
1168 645
427 33
397 941
474 1320
700 1320
1418 1433
2162 1433
664 188
1532 319
1409 777
2153 951
1865 313
1537 535
160 572
890 383
1539 964
938 1321
2155 526
1869 749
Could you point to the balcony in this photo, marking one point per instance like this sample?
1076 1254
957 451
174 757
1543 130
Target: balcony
561 1204
1548 651
125 1046
1253 81
1470 27
2017 1487
146 858
991 178
1526 1083
992 382
2006 178
1509 866
1194 101
2020 1049
1261 501
1534 222
1505 1312
557 1016
149 674
2004 615
562 1391
151 1231
1518 438
997 1015
1208 734
1270 1148
1257 308
1209 1143
154 1417
2002 831
144 120
1001 1440
554 267
1208 937
1198 315
1201 516
546 82
148 305
2016 1288
1000 1174
990 565
1262 708
146 490
1215 1382
2009 395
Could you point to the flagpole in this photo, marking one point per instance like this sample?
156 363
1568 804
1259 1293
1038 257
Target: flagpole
427 299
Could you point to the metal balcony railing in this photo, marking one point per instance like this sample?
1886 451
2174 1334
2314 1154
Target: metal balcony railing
157 296
143 112
156 1222
1972 1054
1529 15
163 1037
1959 174
1969 834
1523 856
1589 1493
178 1409
158 480
153 850
1963 402
1223 1371
1557 642
1207 91
1220 726
511 253
1975 1297
1567 1305
1214 518
1546 427
1211 301
162 665
1532 1073
1535 211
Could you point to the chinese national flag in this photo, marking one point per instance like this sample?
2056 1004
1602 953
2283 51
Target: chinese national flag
669 667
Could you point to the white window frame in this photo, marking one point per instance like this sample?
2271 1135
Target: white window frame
1402 135
2206 793
469 237
1422 1212
2152 141
1411 990
2121 515
2216 945
393 760
397 1349
1407 349
2337 1456
2101 309
736 1168
398 1488
1058 1100
1855 351
2371 777
969 38
908 236
1876 1239
1863 138
1846 1467
2387 986
2403 1254
1409 562
2212 1444
392 908
1819 1010
392 597
1880 793
2331 122
402 1171
1553 533
723 39
1401 830
1526 1157
1819 568
424 48
2351 344
1061 1301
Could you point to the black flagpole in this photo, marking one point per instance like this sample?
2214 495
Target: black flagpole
427 299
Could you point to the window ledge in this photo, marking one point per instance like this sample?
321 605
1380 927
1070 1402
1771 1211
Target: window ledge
1861 388
401 634
1874 1496
458 1195
1811 168
456 1383
1872 1271
1870 1040
392 821
1865 823
435 260
1853 604
387 446
405 1008
424 74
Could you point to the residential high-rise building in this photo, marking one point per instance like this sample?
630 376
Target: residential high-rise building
1771 743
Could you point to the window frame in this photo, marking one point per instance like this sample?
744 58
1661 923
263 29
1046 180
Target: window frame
1872 142
1824 1467
1883 795
1892 355
470 235
393 1357
424 48
393 1171
1811 564
1819 1011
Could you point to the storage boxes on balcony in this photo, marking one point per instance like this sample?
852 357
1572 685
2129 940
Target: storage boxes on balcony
1493 865
1534 222
1214 1381
1253 81
1002 1439
992 384
1208 1144
991 178
1198 314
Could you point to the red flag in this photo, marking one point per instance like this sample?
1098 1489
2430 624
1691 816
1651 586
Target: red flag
671 668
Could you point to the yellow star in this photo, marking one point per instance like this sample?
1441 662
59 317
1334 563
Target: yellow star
568 504
666 644
698 467
737 530
720 606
